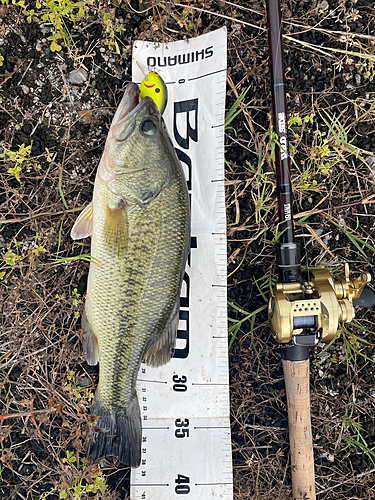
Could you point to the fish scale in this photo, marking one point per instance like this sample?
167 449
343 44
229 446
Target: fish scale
140 237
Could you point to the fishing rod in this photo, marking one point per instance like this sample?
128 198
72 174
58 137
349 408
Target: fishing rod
302 312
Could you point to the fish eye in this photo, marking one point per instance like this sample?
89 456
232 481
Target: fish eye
148 128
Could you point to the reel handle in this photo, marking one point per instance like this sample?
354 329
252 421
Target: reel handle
297 377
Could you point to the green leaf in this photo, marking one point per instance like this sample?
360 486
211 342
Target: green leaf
10 258
63 494
55 47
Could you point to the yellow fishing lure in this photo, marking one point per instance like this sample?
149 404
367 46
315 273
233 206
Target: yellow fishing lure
153 86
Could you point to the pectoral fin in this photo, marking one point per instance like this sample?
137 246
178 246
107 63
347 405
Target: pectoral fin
90 343
116 228
84 224
159 352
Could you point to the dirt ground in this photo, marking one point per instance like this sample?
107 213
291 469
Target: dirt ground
55 110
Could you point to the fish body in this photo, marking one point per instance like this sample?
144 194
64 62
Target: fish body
140 224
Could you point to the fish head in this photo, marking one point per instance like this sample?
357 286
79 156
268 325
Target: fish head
139 155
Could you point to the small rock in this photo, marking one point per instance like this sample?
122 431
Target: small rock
371 163
319 232
358 79
25 89
77 76
323 356
2 242
84 381
324 5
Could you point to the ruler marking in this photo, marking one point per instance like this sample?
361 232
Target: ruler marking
213 484
153 381
149 484
212 427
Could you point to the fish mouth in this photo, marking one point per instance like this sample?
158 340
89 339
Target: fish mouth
130 104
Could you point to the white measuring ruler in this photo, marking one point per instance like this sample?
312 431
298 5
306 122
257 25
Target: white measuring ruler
186 443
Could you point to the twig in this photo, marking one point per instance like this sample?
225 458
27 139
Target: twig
7 112
221 15
7 365
44 214
324 30
241 7
262 428
26 70
358 476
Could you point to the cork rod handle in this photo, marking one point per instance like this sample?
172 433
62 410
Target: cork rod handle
297 383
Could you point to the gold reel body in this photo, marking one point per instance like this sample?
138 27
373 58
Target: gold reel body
318 306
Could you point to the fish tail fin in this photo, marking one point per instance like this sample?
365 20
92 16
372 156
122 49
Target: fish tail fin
120 433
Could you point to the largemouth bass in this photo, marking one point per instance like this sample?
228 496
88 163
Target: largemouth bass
139 220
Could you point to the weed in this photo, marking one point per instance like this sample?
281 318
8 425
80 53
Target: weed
235 110
76 301
354 239
341 143
78 392
56 12
92 87
352 344
113 31
35 253
234 329
61 190
266 283
12 259
84 256
265 189
21 158
352 434
83 481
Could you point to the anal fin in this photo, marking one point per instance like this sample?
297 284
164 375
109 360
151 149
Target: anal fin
159 352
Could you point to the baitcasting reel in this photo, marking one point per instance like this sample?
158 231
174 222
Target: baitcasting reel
312 311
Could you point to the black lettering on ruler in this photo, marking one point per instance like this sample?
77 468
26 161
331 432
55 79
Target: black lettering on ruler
179 383
182 430
191 131
182 487
193 244
184 158
185 292
183 352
